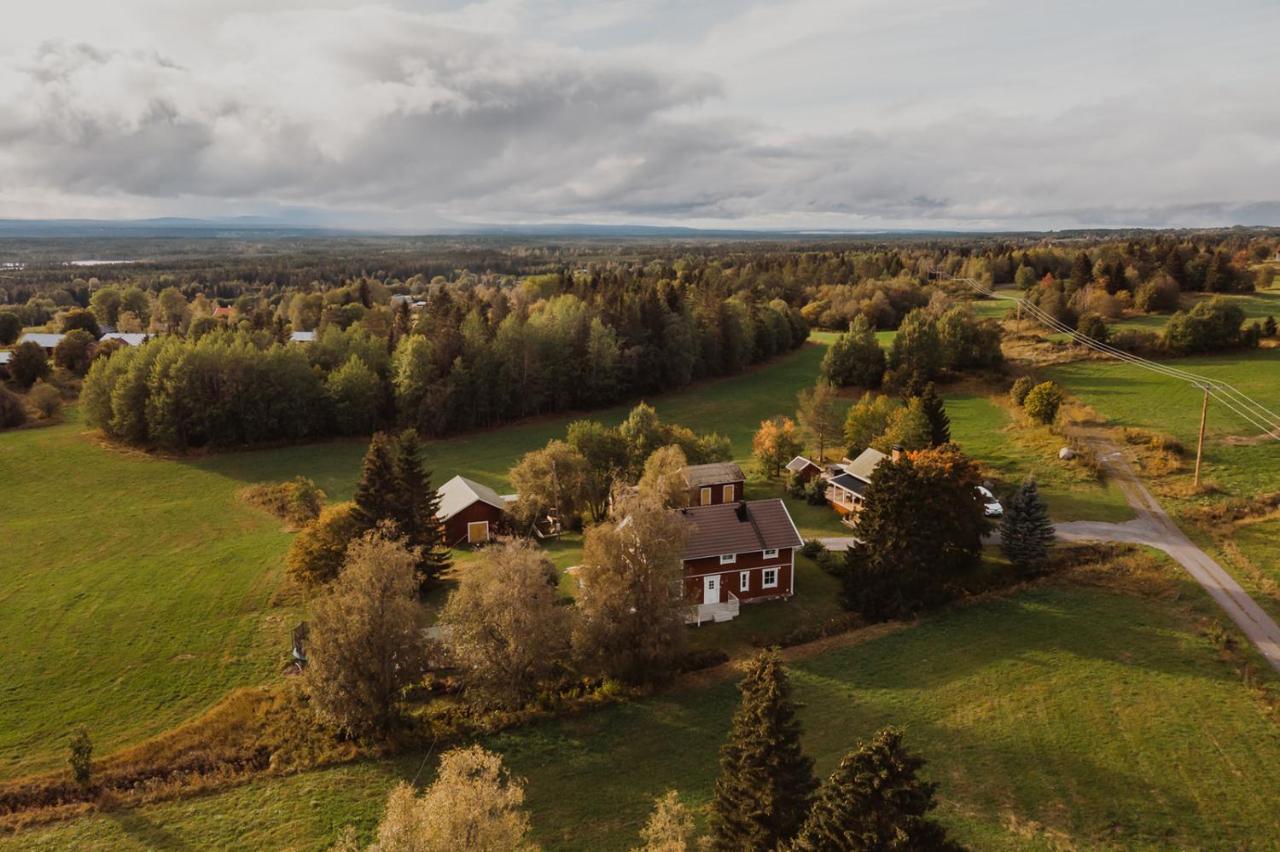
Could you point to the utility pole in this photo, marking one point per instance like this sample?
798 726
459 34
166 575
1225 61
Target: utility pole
1204 415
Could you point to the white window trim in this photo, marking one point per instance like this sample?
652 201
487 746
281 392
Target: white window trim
728 558
744 581
728 492
704 496
765 584
771 554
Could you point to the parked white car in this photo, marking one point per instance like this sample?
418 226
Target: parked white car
990 505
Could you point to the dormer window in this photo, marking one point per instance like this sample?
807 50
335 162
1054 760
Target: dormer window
728 558
771 554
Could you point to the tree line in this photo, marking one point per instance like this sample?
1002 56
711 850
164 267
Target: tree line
467 361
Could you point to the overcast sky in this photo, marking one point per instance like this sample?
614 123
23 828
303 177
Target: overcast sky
976 114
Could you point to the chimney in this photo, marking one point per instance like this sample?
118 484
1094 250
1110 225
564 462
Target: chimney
896 453
742 511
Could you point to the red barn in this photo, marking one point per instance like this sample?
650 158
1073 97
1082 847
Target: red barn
804 469
471 513
738 553
712 484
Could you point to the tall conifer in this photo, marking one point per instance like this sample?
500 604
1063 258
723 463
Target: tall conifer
1026 531
765 782
873 801
416 506
936 411
378 489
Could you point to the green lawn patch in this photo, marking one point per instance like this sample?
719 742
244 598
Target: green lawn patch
1062 716
987 431
1130 396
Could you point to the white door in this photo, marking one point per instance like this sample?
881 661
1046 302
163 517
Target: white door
711 589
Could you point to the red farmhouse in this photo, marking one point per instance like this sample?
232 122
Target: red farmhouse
738 552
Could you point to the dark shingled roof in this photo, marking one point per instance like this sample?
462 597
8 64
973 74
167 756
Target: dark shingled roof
739 528
698 475
850 483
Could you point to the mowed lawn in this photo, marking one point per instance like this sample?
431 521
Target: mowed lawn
1061 717
1131 396
136 591
133 593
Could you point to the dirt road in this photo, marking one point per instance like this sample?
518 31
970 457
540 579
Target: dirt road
1155 528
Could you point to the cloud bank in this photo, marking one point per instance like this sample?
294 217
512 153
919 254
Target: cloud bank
801 114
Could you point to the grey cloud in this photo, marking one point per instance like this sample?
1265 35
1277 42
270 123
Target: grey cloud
391 110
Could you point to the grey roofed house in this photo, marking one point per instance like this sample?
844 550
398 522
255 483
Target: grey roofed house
698 475
302 337
5 358
849 483
129 338
44 340
459 493
739 528
865 464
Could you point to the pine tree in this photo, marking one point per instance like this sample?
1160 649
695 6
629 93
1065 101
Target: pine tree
936 411
377 492
1269 326
416 507
1026 531
874 800
765 780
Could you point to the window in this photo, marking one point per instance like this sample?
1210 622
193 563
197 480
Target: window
728 558
704 496
770 578
744 581
771 554
728 493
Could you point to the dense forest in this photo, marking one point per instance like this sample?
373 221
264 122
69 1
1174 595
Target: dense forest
448 334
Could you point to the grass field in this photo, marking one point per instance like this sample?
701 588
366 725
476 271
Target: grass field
136 591
1064 716
1131 396
986 430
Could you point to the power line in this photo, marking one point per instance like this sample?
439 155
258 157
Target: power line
1232 398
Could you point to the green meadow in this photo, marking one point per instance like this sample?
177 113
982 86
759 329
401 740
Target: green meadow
135 591
1060 717
1128 395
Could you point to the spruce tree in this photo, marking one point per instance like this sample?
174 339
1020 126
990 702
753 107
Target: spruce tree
936 411
377 492
765 782
1026 531
874 800
416 506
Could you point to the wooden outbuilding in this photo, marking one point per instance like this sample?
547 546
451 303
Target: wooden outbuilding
713 484
471 513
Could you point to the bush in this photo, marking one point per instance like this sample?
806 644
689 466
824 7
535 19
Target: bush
29 364
815 492
1021 387
10 327
1136 341
80 756
812 548
1043 402
1269 327
45 399
75 351
12 411
1092 325
1159 294
297 501
1211 325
